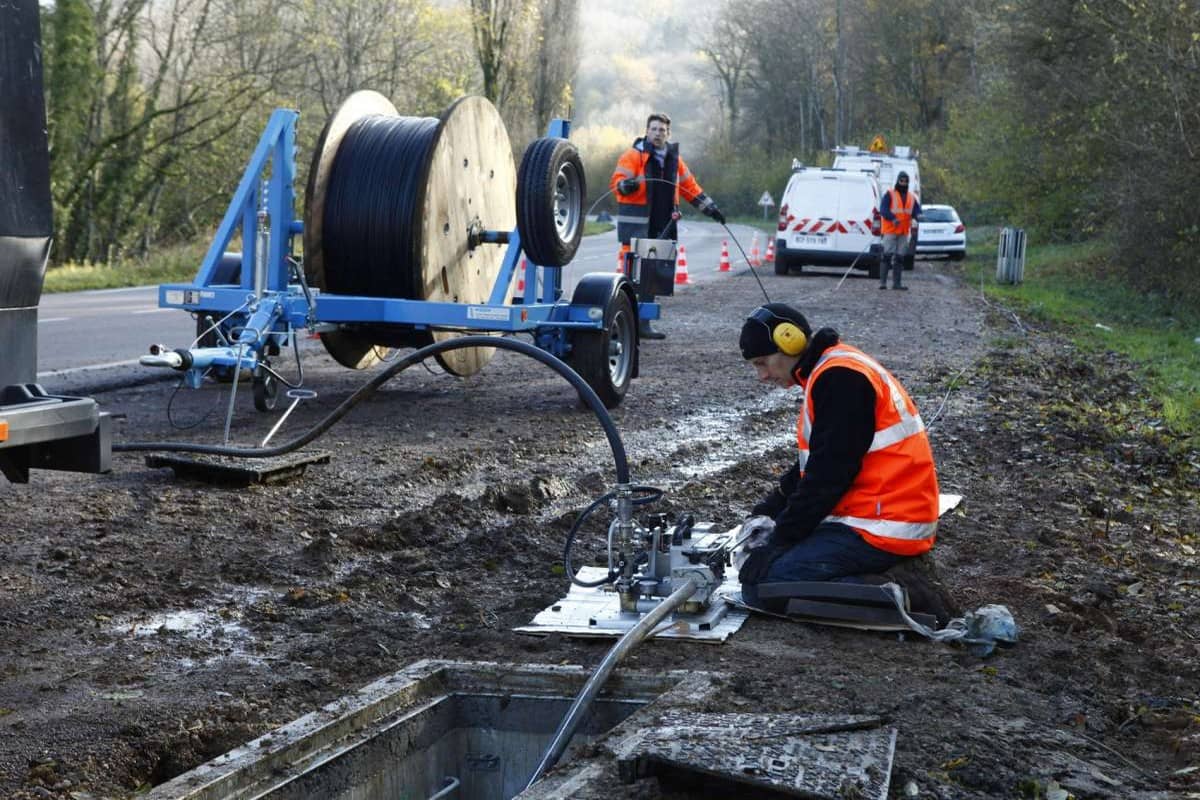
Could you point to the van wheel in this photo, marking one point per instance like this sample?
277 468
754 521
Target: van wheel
781 266
873 271
957 256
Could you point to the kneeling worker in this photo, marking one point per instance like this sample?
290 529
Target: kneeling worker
863 494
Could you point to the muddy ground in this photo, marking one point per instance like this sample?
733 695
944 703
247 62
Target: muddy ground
149 623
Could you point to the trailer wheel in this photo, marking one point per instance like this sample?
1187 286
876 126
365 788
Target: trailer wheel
550 195
266 390
605 358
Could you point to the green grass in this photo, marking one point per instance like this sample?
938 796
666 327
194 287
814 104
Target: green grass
1072 287
592 227
172 265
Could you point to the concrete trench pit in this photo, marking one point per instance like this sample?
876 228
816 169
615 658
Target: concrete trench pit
472 730
456 730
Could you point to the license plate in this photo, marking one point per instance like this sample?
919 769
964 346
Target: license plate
934 230
810 240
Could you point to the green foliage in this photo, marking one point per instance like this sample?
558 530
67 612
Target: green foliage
737 181
1074 287
168 265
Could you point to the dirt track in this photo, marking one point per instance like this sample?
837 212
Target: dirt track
148 623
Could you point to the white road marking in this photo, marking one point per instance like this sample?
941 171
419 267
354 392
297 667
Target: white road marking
53 319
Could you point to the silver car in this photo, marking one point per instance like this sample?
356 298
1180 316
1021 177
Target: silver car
941 233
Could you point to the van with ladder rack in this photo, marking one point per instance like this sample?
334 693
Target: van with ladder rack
828 218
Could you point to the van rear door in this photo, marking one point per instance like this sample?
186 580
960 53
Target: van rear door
858 197
812 209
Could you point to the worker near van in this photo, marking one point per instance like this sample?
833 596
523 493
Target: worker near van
899 207
648 180
863 494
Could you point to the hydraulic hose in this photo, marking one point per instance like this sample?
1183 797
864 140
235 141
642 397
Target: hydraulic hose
651 494
575 714
586 392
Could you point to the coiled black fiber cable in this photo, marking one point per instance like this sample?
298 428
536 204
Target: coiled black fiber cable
372 224
586 393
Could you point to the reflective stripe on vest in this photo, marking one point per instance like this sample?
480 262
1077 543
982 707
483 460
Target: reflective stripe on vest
633 221
905 439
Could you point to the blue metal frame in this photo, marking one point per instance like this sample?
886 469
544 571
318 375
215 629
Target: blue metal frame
252 319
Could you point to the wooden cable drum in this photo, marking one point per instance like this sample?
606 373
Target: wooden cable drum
390 208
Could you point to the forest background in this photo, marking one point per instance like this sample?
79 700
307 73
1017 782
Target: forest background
1070 118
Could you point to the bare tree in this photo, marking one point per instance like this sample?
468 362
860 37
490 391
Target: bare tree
728 48
557 59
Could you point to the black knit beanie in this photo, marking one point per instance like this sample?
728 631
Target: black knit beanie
755 340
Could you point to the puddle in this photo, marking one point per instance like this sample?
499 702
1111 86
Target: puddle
711 441
217 625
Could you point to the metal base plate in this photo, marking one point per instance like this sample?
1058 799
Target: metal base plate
597 613
238 471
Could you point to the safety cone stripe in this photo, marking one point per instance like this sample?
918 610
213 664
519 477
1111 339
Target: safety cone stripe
681 272
724 265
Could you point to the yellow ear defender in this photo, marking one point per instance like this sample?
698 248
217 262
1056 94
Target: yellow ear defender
786 335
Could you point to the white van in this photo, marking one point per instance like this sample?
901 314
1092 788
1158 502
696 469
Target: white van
885 166
828 218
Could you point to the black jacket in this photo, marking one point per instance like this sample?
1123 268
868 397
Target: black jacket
661 196
843 427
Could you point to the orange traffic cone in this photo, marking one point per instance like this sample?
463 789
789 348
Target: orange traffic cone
755 259
724 265
681 273
521 275
771 251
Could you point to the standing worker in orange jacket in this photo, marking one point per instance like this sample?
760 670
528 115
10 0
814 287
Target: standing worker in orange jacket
899 207
863 493
649 178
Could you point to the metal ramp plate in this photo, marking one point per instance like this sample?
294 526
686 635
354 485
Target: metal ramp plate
785 754
238 471
597 612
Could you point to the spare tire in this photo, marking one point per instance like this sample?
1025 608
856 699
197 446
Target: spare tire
550 196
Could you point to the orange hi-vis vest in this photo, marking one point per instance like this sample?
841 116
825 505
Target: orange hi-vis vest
893 501
902 210
633 210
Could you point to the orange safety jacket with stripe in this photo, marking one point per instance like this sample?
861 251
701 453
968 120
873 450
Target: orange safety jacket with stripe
633 210
893 501
902 210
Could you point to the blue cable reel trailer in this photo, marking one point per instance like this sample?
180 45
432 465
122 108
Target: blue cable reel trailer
415 229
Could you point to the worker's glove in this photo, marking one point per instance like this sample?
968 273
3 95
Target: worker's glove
715 213
627 186
754 533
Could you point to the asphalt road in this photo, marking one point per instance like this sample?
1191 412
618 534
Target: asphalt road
100 334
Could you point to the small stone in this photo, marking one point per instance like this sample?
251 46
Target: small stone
911 789
1053 610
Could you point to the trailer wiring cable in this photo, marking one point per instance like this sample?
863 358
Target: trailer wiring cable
201 419
586 393
649 494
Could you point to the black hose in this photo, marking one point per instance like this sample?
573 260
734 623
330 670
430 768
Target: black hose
586 393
